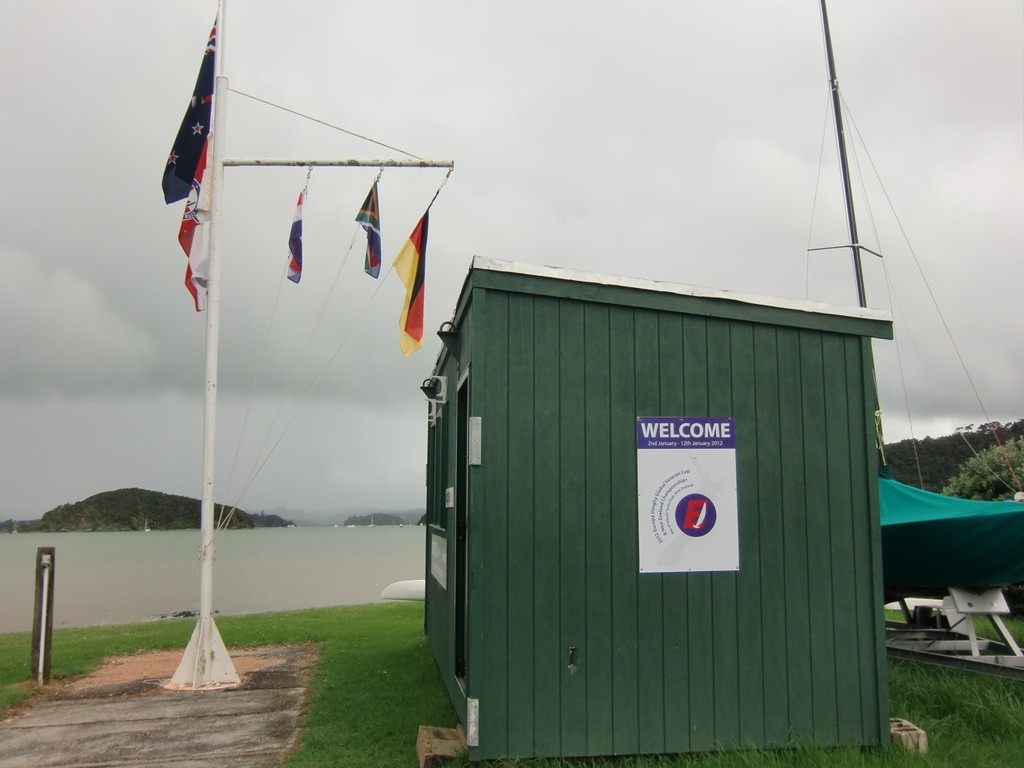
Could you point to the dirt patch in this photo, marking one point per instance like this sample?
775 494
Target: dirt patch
156 667
120 715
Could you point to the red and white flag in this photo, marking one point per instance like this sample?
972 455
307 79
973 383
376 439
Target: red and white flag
190 236
295 243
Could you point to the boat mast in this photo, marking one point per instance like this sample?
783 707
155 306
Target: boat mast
837 111
851 217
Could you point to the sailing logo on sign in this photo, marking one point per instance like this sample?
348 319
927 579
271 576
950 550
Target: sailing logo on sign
696 515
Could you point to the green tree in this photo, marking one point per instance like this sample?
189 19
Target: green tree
930 462
988 475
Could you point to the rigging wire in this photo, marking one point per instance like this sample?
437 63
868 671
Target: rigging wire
873 225
225 517
288 393
326 367
260 361
860 178
893 302
256 376
942 318
341 267
312 389
438 192
286 396
984 463
935 304
892 298
814 201
324 123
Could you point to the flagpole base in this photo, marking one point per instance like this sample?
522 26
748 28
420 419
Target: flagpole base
205 665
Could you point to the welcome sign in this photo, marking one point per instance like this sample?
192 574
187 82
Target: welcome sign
686 494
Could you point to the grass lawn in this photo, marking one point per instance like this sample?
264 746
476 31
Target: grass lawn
376 683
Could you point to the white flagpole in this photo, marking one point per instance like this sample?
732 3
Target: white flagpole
206 663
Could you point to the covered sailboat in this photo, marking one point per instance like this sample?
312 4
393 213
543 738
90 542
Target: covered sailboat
931 542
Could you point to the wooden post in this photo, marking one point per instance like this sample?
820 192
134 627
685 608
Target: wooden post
42 616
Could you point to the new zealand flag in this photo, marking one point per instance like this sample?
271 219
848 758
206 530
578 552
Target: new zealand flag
194 130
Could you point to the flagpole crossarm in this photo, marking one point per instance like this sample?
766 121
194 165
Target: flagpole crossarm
300 162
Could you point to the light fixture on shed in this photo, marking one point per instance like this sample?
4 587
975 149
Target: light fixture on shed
435 389
449 336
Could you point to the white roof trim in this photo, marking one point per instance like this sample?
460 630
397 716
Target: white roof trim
573 275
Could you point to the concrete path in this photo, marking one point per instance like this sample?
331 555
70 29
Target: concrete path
139 723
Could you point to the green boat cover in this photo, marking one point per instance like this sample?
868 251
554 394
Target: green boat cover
930 540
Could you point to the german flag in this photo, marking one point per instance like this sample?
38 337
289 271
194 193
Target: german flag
411 266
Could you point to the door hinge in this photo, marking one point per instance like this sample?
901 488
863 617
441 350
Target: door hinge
475 428
472 722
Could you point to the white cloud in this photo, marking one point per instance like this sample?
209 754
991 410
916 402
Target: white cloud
671 141
62 336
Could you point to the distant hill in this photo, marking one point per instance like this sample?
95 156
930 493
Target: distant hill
130 509
343 515
13 526
269 520
940 457
377 518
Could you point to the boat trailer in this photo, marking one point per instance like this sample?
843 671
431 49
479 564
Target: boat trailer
943 632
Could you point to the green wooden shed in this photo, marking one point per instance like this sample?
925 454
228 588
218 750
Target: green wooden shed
554 632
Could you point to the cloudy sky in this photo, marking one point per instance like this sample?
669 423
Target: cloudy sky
678 141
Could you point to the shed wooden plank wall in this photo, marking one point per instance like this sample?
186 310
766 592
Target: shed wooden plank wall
789 647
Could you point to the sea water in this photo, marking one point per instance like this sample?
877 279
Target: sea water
114 578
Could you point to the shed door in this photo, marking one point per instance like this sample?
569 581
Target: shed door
461 504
